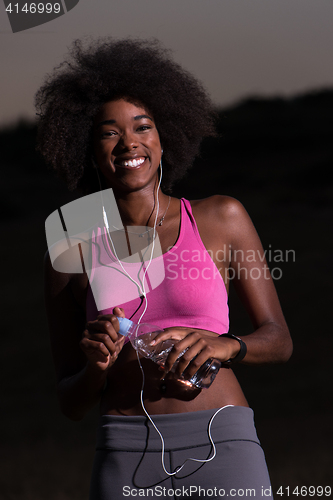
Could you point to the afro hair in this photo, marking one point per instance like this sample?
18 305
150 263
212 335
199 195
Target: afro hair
107 69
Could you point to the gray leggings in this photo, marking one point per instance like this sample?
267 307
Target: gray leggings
128 457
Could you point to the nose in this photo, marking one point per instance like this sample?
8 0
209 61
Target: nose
128 140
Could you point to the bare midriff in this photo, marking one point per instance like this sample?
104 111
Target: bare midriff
122 393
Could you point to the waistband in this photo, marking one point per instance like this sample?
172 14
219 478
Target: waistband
179 430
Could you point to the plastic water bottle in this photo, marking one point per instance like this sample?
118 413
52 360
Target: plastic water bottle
141 335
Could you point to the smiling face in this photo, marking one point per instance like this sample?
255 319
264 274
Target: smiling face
127 145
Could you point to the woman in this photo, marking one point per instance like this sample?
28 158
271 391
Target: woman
117 112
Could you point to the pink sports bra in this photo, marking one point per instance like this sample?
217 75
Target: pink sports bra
191 294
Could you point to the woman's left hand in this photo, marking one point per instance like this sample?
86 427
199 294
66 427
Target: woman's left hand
200 344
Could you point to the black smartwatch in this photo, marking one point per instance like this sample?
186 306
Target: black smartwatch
242 352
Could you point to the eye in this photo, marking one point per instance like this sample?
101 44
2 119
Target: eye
142 128
109 133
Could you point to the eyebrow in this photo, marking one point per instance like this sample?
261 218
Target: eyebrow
142 116
110 122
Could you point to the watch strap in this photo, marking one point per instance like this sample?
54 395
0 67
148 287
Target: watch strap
242 352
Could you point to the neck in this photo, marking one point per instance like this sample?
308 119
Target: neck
139 208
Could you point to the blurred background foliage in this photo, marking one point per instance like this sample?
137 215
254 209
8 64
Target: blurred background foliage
276 157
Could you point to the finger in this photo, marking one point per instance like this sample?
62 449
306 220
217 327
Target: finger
188 365
184 343
111 318
97 354
120 342
107 324
110 342
119 311
193 345
105 339
170 333
179 349
91 347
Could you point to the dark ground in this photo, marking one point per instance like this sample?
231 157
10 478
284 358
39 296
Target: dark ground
276 157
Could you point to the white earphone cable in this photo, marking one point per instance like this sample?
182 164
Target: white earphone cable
142 290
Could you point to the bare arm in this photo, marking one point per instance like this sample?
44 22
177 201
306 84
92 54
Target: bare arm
81 356
248 271
270 342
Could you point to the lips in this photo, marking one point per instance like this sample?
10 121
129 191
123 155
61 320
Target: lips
131 162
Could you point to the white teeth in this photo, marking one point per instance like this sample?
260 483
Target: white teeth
132 163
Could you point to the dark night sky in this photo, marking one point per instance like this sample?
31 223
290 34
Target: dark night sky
235 47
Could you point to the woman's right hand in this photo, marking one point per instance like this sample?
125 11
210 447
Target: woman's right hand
101 342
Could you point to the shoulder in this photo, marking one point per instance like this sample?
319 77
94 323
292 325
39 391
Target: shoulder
219 203
220 209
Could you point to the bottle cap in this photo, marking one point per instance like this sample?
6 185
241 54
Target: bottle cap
124 325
